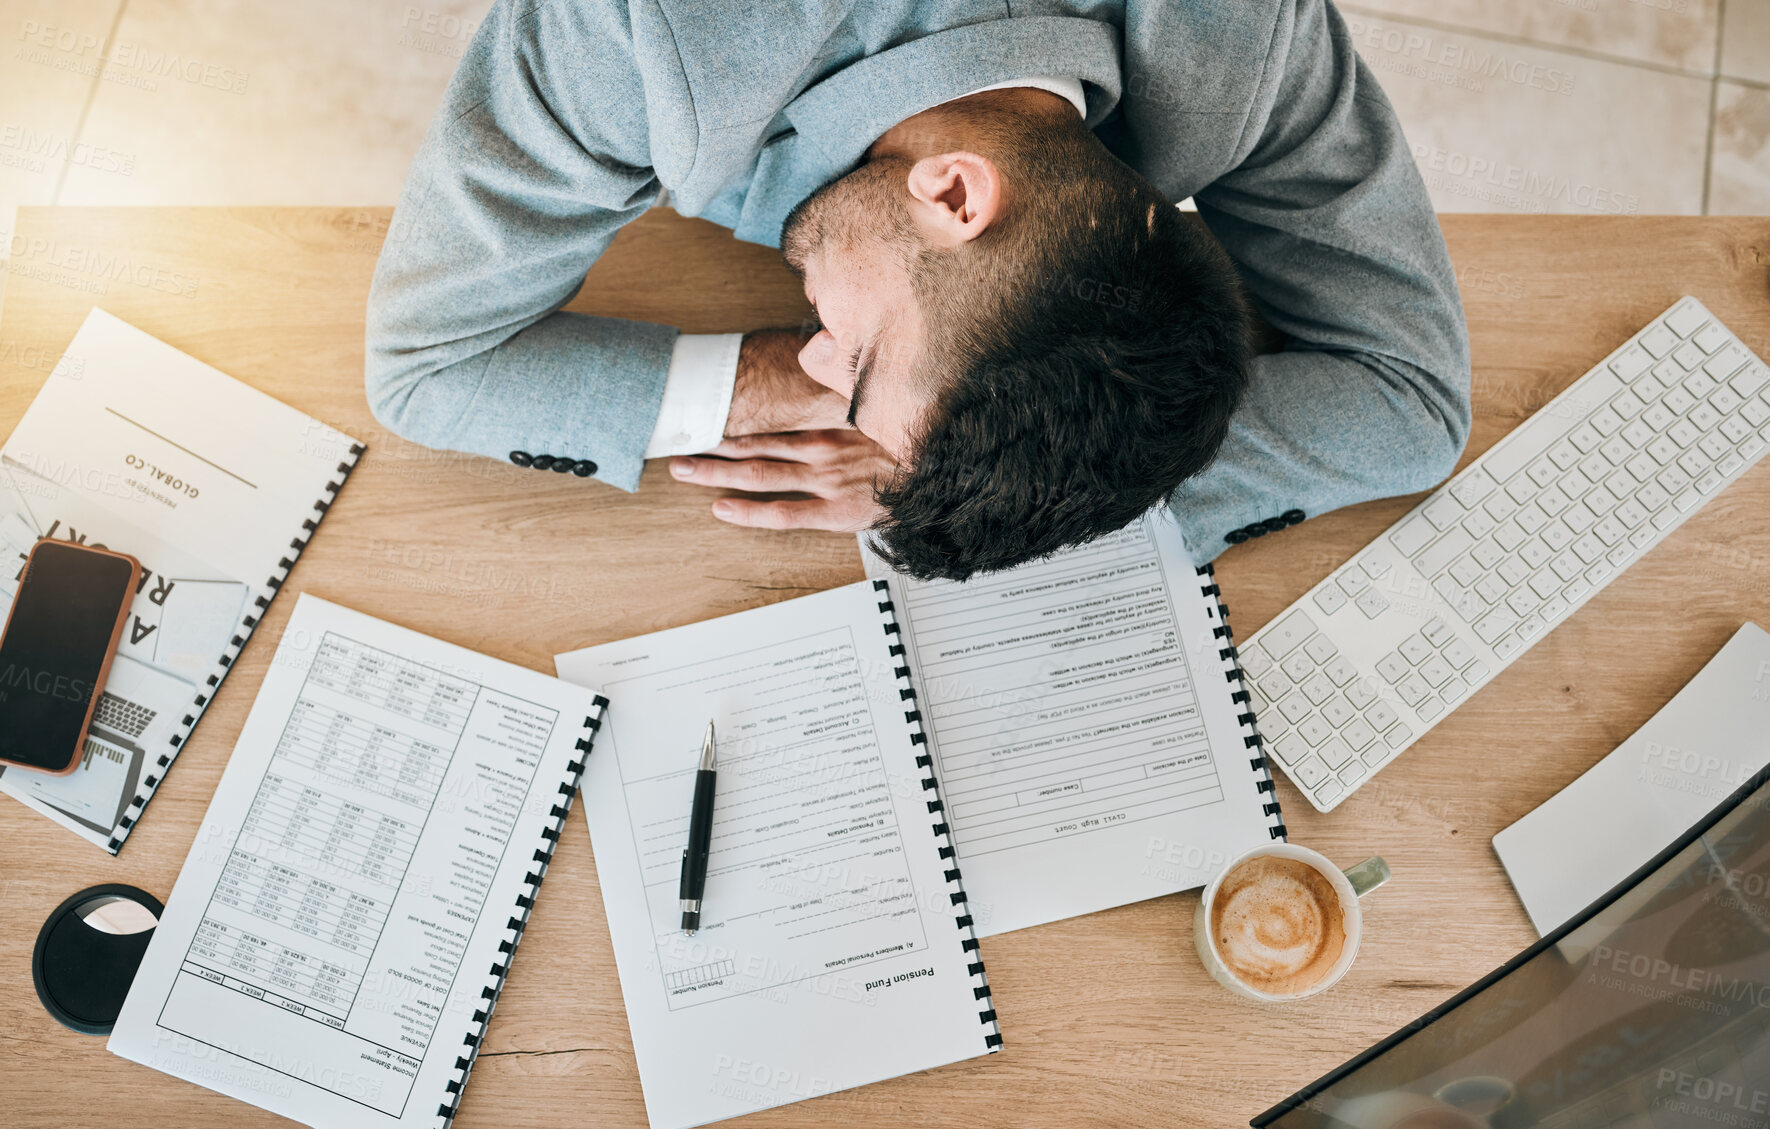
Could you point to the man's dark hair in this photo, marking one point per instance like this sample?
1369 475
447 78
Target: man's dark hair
1083 355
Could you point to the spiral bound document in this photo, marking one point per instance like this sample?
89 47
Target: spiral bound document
339 935
214 487
1087 720
836 945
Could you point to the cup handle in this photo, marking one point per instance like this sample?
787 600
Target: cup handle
1368 875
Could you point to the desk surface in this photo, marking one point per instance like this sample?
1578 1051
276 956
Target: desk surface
1108 1019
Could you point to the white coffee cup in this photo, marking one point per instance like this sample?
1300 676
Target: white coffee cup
1348 886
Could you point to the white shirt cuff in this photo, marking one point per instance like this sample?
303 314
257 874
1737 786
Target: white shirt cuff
697 394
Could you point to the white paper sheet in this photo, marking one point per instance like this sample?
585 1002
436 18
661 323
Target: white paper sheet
1084 734
327 943
830 952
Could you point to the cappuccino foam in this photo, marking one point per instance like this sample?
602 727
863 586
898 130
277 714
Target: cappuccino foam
1278 925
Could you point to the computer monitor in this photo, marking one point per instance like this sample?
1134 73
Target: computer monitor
1651 1008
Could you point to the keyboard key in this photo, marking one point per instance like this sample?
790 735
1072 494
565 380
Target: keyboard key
1566 567
1598 572
1631 362
1521 489
1687 356
1338 710
1750 380
1329 792
1642 467
1672 480
1687 501
1392 667
1479 525
1755 412
1351 773
1725 363
1443 551
1553 501
1588 548
1297 667
1413 689
1414 649
1714 445
1657 417
1320 648
1749 449
1641 537
1694 462
1495 624
1429 709
1359 734
1435 671
1577 590
1453 690
1663 450
1443 512
1465 571
1599 501
1729 464
1678 401
1371 603
1508 646
1699 384
1531 518
1548 582
1563 454
1609 531
1382 716
1735 429
1534 553
1614 452
1605 420
1636 435
1487 554
1398 736
1523 601
1318 688
1374 567
1475 673
1542 472
1631 514
1627 404
1490 589
1361 693
1557 536
1651 497
1340 671
1314 729
1512 571
1288 633
1725 401
1330 599
1585 437
1413 536
1553 609
1254 660
1295 708
1658 341
1709 482
1686 319
1352 581
1683 433
1578 518
1458 654
1710 337
1335 753
1500 506
1509 535
1703 417
1437 632
1310 772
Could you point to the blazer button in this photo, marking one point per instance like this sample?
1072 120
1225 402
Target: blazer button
1236 536
542 462
562 465
1292 517
1274 524
1257 529
521 458
584 468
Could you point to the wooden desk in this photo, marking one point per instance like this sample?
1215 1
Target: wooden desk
1109 1019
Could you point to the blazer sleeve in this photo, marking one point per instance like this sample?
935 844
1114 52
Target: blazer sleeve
539 154
1330 227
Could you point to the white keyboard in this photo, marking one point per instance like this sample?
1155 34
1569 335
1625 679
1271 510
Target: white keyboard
1358 669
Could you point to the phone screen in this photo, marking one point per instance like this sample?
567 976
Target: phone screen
55 646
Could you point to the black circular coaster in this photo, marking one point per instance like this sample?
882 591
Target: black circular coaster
83 970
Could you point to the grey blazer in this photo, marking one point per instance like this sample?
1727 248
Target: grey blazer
567 117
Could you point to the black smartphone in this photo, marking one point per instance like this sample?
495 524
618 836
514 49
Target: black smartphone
66 620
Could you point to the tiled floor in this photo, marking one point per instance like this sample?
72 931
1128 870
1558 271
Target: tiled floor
1581 106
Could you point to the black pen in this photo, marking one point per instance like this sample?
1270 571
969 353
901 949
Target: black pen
700 839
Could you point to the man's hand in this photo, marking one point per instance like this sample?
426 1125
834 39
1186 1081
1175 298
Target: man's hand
772 392
838 468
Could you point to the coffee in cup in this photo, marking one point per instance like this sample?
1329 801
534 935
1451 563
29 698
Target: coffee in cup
1282 922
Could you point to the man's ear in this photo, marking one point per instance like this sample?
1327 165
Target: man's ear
955 196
